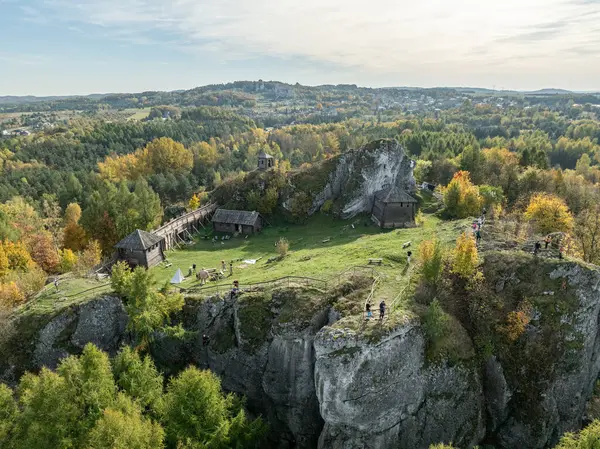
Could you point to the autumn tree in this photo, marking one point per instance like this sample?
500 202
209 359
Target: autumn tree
461 197
18 257
465 258
164 155
44 253
549 213
90 256
194 202
68 260
4 264
431 259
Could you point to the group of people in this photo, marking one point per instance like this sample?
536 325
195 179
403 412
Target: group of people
382 307
477 226
547 241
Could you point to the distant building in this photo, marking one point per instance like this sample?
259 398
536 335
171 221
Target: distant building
141 248
240 221
394 208
265 161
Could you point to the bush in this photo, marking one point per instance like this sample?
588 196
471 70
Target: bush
283 246
431 255
588 438
465 258
435 322
68 260
326 207
10 295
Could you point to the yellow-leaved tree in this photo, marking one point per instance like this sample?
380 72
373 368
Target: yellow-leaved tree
465 258
461 197
549 213
194 202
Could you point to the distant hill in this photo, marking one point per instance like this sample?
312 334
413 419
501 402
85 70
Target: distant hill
549 92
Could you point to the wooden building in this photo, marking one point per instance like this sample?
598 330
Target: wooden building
394 208
141 248
265 161
239 221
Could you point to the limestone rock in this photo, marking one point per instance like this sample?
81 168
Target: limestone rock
101 322
381 395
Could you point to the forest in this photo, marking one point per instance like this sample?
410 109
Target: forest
70 192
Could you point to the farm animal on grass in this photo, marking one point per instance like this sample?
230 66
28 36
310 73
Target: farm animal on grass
202 276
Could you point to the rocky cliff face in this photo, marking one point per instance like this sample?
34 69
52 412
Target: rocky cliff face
352 179
321 385
383 396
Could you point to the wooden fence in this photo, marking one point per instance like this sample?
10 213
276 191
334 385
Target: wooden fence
287 281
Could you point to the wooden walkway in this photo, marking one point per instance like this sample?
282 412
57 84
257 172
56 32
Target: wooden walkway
182 228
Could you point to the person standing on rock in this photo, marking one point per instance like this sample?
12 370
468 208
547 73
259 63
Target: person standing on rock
382 310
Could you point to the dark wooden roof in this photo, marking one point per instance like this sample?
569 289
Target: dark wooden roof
263 155
139 241
240 217
394 194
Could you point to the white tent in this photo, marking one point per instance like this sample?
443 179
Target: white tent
178 278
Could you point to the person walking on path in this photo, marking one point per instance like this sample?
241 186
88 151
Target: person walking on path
194 268
230 268
537 248
382 310
478 237
368 310
408 255
547 241
223 266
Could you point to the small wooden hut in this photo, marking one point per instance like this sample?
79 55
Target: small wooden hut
394 208
141 248
239 221
265 161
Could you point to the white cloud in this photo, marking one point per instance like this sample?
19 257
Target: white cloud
454 37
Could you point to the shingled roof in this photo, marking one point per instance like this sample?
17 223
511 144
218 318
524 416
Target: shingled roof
394 194
239 217
264 155
139 241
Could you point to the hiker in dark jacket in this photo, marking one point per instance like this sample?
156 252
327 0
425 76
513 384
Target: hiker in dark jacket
382 310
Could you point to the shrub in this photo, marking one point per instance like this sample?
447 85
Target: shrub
435 322
431 256
588 438
419 218
465 258
283 246
29 282
90 257
10 295
549 213
68 260
326 207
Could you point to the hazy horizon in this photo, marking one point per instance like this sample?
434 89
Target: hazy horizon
81 47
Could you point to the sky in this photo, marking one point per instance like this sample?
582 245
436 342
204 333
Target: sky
72 47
